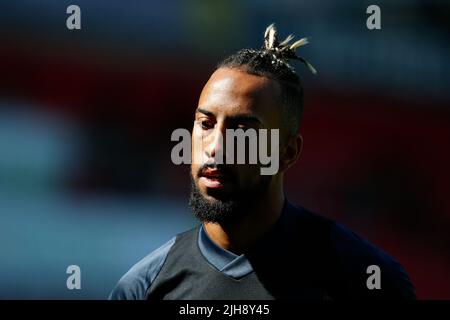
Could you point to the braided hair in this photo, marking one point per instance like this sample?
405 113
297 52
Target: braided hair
272 61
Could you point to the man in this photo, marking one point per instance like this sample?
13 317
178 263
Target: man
252 242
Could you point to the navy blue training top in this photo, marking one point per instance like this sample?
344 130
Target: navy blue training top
303 256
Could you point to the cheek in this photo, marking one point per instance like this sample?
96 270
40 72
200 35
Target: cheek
197 147
194 170
248 175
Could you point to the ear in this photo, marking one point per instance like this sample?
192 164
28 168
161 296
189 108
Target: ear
291 152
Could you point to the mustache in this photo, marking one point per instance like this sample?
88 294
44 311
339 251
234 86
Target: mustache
222 168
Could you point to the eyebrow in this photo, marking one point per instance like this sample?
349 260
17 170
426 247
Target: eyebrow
237 118
205 112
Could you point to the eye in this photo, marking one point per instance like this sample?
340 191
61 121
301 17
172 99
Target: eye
239 126
206 124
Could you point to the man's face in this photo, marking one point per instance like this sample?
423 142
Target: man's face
231 99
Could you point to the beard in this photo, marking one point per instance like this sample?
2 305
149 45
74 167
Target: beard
229 209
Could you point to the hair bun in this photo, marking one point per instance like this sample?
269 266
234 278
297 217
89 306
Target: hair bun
284 50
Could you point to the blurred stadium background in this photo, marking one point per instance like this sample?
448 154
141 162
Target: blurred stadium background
86 117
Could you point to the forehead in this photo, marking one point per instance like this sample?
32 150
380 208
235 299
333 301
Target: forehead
231 92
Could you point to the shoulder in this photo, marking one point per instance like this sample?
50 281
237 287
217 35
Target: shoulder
135 283
359 259
355 259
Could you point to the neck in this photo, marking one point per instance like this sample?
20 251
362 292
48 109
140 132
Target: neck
243 233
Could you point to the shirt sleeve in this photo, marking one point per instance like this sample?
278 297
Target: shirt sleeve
136 282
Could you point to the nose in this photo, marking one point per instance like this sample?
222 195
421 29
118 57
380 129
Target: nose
215 144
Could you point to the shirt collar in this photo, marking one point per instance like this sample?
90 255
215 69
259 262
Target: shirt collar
237 266
229 263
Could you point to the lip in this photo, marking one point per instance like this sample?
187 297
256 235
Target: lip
213 179
211 183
